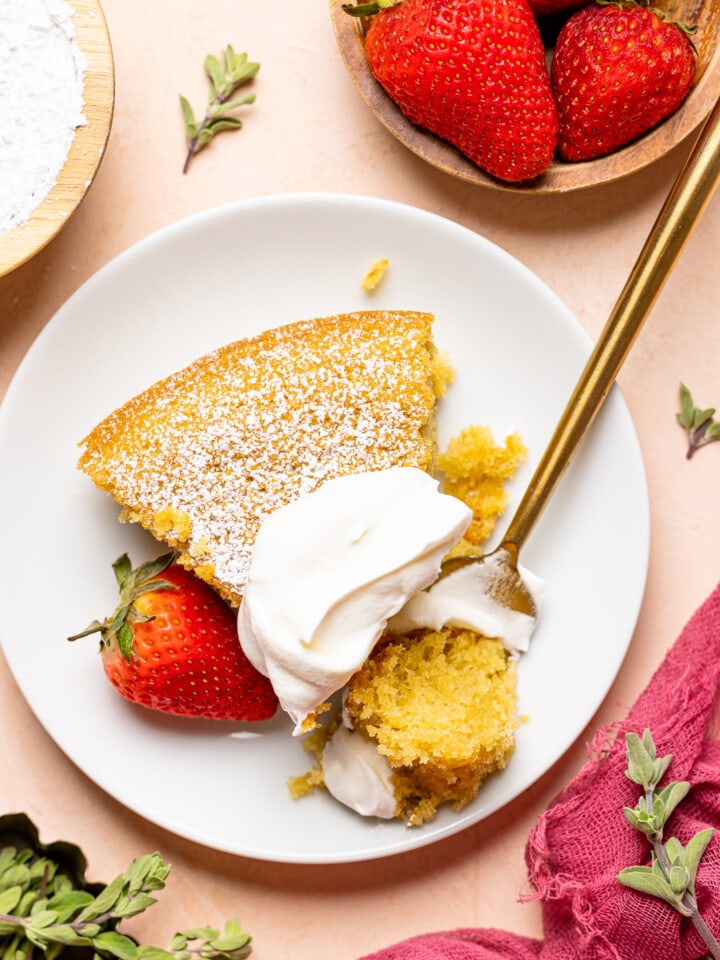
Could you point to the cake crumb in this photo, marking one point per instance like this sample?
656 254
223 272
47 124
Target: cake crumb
375 274
474 468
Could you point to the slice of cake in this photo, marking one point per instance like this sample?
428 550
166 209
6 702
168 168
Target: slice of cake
202 457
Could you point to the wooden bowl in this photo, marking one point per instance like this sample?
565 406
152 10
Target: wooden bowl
91 34
561 176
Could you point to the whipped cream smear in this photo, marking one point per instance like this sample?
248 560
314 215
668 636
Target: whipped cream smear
331 568
331 571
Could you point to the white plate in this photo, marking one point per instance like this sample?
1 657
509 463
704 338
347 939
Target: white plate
224 274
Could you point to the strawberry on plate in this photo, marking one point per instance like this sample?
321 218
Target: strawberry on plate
619 68
171 645
472 72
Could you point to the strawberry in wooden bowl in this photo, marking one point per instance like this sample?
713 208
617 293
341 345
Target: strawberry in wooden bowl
457 80
171 645
472 72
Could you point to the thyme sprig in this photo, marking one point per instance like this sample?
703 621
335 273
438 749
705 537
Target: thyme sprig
673 870
224 78
698 422
46 906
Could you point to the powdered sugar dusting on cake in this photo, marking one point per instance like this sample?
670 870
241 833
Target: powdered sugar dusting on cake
201 458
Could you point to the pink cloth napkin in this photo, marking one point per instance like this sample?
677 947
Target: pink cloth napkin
582 841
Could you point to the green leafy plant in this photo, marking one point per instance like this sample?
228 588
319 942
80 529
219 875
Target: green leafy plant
225 78
673 870
47 905
700 426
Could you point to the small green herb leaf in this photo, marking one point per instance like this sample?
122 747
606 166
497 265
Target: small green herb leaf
224 78
47 906
693 852
673 870
671 796
644 880
698 422
10 898
641 768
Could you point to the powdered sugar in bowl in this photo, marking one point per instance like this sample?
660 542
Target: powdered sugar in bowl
54 121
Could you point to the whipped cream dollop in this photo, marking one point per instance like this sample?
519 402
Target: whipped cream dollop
461 599
358 775
330 569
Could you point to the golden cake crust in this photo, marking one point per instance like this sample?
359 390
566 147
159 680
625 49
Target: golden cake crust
203 456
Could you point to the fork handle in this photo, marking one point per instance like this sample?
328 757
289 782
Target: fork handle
682 209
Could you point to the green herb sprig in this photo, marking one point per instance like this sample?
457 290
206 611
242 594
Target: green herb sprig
671 877
700 426
225 78
46 905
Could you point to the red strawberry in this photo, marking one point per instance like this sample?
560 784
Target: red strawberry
171 645
618 70
472 72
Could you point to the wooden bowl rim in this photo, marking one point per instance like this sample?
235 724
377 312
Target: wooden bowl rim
21 243
560 177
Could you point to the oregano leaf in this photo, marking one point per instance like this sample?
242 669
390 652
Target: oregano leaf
640 763
225 77
117 944
693 852
645 881
10 898
672 795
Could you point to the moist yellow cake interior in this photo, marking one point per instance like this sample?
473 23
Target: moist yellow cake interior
441 707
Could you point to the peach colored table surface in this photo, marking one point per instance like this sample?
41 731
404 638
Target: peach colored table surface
310 131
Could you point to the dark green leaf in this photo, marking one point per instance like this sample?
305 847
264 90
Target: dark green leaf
224 123
122 569
125 641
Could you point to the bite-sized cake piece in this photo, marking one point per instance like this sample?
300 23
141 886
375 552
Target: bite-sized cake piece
202 457
440 706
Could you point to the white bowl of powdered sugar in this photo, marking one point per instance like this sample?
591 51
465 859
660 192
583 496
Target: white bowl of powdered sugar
56 104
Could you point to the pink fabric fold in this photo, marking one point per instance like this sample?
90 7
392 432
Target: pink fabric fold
582 841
